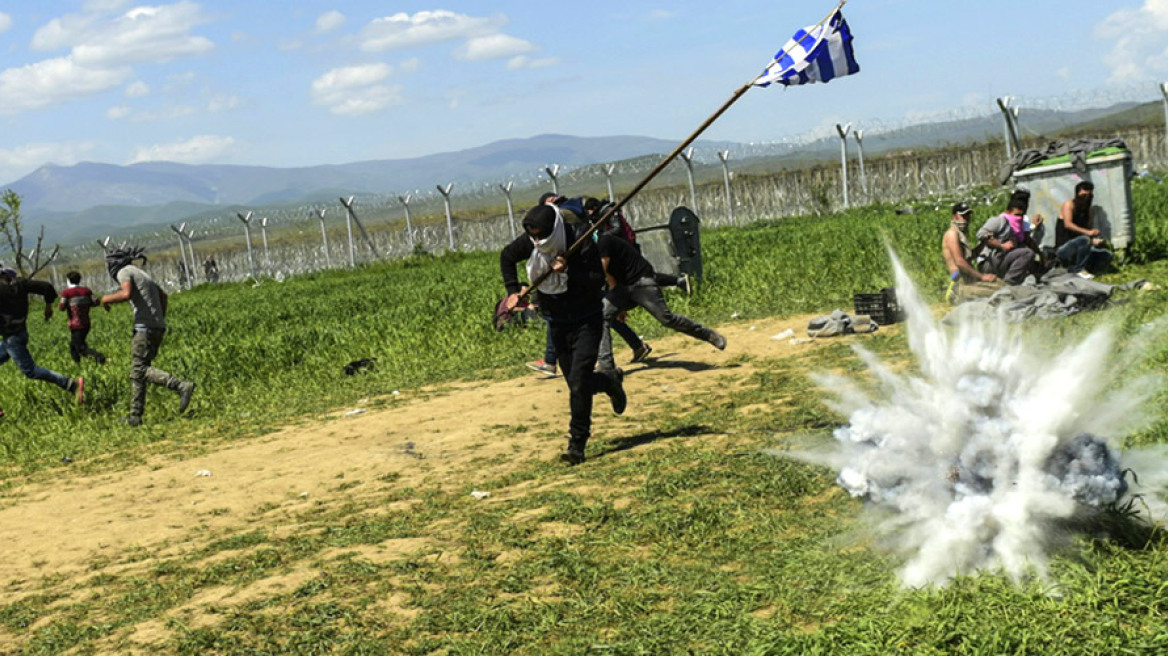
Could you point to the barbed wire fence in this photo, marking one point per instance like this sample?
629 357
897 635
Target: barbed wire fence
477 224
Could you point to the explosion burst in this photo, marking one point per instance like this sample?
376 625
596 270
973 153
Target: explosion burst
980 461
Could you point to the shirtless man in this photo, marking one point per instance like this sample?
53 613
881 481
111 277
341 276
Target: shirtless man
965 281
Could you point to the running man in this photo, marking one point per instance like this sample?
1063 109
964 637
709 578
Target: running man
149 304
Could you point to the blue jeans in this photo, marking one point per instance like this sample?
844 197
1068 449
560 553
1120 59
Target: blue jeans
1078 254
15 347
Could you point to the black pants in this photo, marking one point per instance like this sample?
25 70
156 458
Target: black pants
577 344
79 346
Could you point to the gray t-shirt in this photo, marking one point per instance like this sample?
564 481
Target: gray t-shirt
145 297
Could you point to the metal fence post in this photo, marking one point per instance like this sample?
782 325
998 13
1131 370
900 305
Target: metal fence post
859 135
182 252
687 157
510 207
724 155
553 172
405 201
843 133
328 261
445 191
247 234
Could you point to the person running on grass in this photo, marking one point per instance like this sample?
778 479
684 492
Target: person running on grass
149 303
631 284
76 299
14 293
569 299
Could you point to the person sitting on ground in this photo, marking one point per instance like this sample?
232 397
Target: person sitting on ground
76 299
14 293
631 284
1078 244
1008 250
965 281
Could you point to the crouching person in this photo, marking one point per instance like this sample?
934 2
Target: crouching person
1009 250
149 304
965 281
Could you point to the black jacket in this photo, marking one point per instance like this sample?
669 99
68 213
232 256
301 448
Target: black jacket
14 302
585 277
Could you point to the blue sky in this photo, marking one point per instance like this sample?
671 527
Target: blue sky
305 82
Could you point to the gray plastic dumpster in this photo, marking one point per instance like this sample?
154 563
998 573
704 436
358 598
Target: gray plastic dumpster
1052 182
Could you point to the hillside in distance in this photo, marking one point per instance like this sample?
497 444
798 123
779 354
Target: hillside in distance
63 189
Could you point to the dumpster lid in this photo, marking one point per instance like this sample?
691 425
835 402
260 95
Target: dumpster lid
1065 159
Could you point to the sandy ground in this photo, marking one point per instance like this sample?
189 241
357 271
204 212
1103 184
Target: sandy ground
62 525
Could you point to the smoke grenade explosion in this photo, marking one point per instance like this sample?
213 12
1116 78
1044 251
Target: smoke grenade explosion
981 460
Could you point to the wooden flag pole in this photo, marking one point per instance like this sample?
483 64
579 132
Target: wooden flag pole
613 209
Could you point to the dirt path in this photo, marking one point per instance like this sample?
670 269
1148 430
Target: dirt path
438 437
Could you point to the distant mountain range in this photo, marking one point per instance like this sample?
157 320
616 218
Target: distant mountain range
87 199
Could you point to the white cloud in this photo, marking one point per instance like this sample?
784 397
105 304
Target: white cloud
102 47
138 89
523 61
146 34
222 103
425 27
410 65
118 112
329 21
5 22
1139 35
356 90
494 46
53 81
661 14
19 161
196 150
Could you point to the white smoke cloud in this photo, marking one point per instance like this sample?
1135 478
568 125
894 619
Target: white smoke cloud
1140 36
202 149
972 463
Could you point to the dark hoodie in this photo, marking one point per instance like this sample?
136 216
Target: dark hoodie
585 274
14 302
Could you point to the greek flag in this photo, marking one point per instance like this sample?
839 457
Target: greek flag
819 53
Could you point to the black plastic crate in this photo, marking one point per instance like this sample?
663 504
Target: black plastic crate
882 307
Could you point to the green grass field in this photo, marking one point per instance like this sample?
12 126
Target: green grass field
703 547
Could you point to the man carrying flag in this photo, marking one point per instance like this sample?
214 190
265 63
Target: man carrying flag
819 53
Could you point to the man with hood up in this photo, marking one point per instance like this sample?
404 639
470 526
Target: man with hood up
149 304
570 300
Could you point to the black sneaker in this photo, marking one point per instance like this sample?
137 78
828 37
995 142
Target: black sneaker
641 354
617 394
184 396
717 340
573 456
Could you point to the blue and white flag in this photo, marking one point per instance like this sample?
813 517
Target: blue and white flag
819 53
